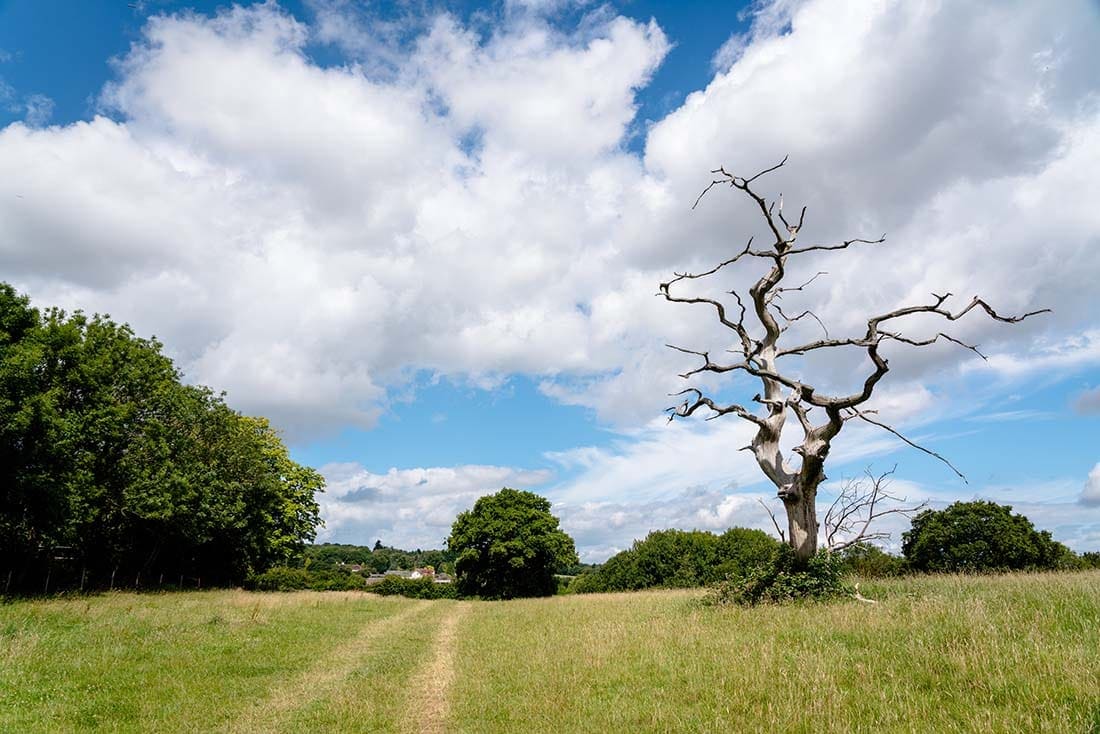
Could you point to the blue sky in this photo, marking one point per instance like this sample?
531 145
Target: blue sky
63 49
424 238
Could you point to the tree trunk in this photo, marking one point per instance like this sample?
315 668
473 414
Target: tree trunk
802 523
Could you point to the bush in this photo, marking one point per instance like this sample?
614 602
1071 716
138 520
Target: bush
282 578
587 583
871 562
422 588
981 536
741 549
680 559
783 579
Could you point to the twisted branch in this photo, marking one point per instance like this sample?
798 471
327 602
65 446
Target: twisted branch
783 394
850 516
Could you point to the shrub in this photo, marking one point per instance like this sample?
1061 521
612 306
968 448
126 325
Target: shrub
587 583
619 573
675 558
740 549
680 559
283 578
871 562
422 588
981 536
783 579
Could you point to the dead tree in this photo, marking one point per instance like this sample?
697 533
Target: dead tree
861 502
760 352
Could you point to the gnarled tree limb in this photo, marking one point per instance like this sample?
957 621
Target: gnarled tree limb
759 346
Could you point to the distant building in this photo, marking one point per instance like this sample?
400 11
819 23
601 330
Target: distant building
399 572
417 573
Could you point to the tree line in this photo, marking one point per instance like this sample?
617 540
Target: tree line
965 537
377 559
116 473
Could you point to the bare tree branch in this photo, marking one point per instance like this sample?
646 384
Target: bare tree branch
782 393
779 530
842 246
708 366
862 415
743 183
688 407
799 317
737 326
862 502
778 292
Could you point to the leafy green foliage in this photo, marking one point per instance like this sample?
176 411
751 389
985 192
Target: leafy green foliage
680 559
284 578
509 545
783 579
981 536
871 562
378 559
422 588
111 467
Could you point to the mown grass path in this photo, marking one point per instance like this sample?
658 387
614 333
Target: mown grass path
210 661
433 685
323 679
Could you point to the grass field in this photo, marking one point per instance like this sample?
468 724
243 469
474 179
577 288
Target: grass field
997 654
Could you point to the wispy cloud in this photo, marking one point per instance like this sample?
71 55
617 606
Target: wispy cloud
1087 402
1012 415
1090 495
38 109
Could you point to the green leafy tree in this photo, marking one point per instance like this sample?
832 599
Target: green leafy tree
675 558
980 536
509 545
870 561
680 559
619 573
109 464
740 549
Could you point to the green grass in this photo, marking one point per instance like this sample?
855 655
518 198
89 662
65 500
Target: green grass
194 661
994 654
1013 653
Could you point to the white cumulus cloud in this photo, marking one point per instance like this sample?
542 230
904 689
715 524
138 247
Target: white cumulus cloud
462 200
1090 495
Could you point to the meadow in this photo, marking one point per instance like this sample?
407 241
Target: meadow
937 653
